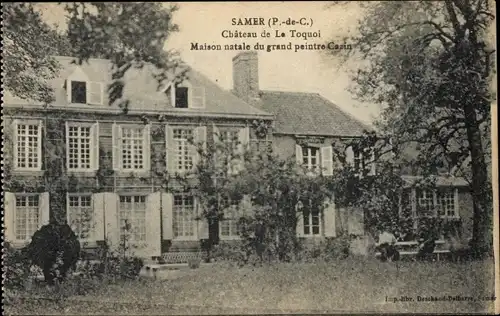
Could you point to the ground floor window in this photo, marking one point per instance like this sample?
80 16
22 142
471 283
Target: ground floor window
311 223
132 217
228 226
183 216
80 215
26 215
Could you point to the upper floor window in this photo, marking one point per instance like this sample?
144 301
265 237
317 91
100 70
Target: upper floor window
310 158
79 92
82 90
184 151
28 145
315 158
131 144
82 146
186 95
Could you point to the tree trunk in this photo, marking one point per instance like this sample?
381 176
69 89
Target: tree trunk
482 229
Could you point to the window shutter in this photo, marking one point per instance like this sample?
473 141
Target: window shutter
327 160
94 93
300 221
67 144
329 219
15 154
95 146
349 156
153 225
298 155
169 145
8 216
455 202
200 137
167 203
39 145
116 147
98 217
147 147
202 221
112 228
68 90
198 97
44 209
216 133
373 164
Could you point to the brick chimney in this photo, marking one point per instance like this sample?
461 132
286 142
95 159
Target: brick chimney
246 76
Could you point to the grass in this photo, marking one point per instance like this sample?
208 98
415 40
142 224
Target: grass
344 286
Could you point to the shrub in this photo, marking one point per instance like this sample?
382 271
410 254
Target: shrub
55 249
194 263
16 268
329 249
229 252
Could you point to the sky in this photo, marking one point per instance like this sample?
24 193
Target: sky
303 71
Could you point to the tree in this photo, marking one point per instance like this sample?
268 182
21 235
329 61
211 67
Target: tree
430 65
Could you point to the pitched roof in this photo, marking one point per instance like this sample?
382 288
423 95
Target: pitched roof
309 114
141 90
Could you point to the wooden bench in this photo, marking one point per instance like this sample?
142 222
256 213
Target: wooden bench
411 244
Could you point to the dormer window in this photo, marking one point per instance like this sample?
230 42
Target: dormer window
78 92
186 96
82 90
181 97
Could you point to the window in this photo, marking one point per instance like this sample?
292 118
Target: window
310 157
311 223
446 202
26 216
79 147
183 216
437 203
28 147
132 148
80 215
181 97
184 155
133 218
79 92
228 227
229 137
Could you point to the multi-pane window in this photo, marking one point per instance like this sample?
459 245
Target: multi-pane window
310 157
440 203
311 223
425 200
80 215
229 137
446 202
28 146
26 216
229 224
132 217
183 216
183 149
132 148
79 147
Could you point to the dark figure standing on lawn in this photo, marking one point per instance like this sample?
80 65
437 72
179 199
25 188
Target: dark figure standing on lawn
427 244
387 246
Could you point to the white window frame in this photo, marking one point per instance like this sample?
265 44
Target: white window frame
38 149
437 203
186 84
308 165
232 221
93 147
16 212
145 148
92 232
175 222
310 217
186 146
132 216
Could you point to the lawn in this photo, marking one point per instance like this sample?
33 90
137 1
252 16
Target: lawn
336 287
